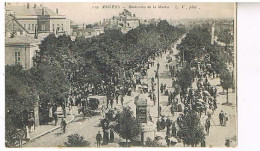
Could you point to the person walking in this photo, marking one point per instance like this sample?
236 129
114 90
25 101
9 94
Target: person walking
225 119
174 130
122 100
221 117
207 126
98 139
111 102
154 99
203 143
111 135
105 137
161 88
55 116
63 125
164 87
158 125
167 140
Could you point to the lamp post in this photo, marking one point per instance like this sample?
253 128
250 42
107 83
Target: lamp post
158 65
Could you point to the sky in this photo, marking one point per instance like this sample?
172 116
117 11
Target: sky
90 12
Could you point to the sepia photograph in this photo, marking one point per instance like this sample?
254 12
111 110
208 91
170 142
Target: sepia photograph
120 74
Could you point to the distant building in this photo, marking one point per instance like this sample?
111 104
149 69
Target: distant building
87 32
181 26
39 17
21 50
99 30
127 21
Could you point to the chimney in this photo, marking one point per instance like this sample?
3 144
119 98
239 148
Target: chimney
57 10
28 5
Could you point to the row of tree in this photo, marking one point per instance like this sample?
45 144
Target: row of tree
63 67
196 48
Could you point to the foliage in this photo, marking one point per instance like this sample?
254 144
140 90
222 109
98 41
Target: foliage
226 79
184 78
19 101
76 140
196 46
194 42
127 126
225 37
61 64
191 130
152 143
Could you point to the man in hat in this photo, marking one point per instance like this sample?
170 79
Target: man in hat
63 125
98 139
221 117
207 126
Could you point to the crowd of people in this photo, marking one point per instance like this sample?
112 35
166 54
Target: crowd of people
201 98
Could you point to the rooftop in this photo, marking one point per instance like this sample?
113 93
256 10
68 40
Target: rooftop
30 11
84 30
22 40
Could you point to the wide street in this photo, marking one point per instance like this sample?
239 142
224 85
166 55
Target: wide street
90 125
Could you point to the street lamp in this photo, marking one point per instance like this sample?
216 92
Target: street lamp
158 65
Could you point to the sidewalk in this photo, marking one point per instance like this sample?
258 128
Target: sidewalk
42 130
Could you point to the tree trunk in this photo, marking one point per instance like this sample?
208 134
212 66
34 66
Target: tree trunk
126 142
227 95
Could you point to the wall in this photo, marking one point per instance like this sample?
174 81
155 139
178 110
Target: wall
132 23
48 22
26 54
27 22
59 22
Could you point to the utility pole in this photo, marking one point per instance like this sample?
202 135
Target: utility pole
158 65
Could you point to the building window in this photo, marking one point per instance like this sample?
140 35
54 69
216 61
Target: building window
32 26
17 57
43 27
61 27
24 26
29 27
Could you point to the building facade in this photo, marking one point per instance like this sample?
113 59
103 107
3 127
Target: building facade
39 18
21 50
25 27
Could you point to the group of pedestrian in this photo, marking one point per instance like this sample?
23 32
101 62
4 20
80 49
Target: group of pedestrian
223 118
163 88
108 134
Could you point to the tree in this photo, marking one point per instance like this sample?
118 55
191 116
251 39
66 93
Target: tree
191 47
225 37
19 101
76 140
226 81
184 78
127 126
191 130
152 143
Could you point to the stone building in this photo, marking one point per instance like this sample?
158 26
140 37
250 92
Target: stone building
39 17
21 50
